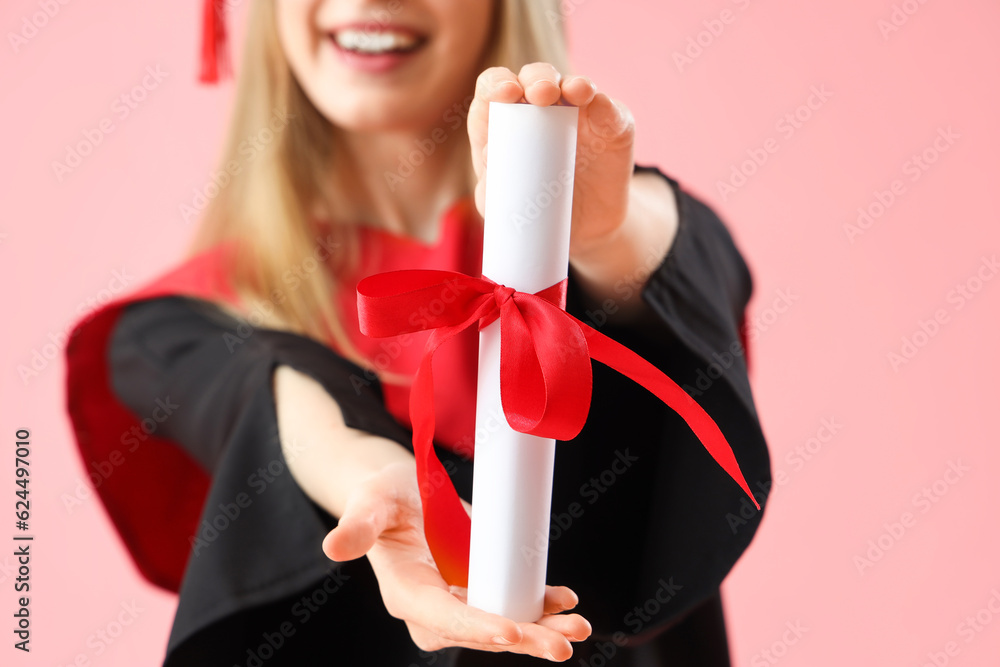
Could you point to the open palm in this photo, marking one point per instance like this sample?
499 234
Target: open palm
383 520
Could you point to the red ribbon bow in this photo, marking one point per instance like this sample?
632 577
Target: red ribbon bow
545 378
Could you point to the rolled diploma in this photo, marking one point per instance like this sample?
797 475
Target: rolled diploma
529 195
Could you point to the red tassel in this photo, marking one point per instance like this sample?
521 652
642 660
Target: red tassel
214 56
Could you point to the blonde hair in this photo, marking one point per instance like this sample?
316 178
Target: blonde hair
280 173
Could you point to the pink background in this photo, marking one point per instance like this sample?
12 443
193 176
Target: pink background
824 358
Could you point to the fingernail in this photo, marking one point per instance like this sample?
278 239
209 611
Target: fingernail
503 641
549 656
499 86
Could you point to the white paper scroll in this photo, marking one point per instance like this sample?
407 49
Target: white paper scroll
529 195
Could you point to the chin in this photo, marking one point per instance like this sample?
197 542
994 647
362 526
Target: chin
380 111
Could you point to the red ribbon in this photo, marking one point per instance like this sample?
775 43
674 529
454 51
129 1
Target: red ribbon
545 378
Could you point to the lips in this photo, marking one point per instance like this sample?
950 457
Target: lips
376 41
376 48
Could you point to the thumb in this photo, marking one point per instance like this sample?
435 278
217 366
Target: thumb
364 519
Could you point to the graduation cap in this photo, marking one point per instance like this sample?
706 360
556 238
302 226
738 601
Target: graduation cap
214 55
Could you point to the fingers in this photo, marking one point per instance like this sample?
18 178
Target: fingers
540 82
364 519
537 83
545 643
496 84
438 618
445 620
578 90
445 616
537 640
559 598
571 626
480 195
608 118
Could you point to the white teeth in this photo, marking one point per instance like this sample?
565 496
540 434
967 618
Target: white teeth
366 41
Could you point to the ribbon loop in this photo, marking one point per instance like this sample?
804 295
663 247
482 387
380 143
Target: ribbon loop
545 373
546 380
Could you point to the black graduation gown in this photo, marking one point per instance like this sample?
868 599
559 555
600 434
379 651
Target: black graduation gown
645 524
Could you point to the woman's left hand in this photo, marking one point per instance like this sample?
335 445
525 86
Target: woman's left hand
605 135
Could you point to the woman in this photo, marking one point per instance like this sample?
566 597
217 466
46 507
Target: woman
284 429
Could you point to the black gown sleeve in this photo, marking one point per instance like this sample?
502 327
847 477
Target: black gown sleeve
645 525
256 567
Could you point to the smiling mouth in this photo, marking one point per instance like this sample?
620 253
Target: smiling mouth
367 42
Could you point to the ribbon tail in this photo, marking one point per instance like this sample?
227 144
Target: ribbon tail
447 526
615 355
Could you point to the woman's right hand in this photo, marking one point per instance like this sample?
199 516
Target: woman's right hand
382 519
370 483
